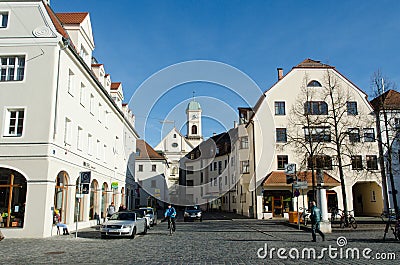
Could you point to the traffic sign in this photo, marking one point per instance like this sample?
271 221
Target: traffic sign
301 185
290 169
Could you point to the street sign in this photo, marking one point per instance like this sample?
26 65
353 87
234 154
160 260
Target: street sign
290 169
301 185
85 177
114 185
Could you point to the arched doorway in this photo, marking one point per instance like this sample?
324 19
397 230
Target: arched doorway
79 201
367 199
61 195
94 204
104 200
12 198
123 196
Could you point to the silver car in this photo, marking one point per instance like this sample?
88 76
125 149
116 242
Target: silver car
126 223
151 213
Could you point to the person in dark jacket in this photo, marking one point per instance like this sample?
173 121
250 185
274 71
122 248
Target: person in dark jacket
170 215
316 217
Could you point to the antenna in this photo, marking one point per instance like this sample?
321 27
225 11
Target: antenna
383 86
193 94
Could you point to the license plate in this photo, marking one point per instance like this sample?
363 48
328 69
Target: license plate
113 231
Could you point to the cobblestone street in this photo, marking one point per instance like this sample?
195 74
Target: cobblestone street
219 239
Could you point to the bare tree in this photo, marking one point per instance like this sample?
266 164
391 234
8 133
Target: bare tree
387 132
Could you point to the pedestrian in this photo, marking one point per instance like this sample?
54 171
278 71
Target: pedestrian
110 209
121 208
316 217
58 223
1 221
170 215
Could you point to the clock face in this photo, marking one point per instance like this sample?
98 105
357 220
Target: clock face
194 116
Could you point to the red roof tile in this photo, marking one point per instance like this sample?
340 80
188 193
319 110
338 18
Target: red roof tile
278 178
115 85
72 18
309 63
389 100
146 151
97 64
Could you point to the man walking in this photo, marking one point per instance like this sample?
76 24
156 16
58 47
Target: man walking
316 217
111 209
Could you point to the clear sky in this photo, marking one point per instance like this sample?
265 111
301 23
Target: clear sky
136 39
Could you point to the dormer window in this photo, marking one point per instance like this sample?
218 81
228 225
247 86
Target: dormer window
3 19
314 83
83 53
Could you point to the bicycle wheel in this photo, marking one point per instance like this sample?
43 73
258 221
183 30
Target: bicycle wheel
352 222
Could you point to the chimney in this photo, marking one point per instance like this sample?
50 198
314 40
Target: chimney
234 124
280 73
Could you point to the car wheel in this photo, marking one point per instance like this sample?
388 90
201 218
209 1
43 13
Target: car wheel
133 233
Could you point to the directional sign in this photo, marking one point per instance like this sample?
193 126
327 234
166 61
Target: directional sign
301 185
290 169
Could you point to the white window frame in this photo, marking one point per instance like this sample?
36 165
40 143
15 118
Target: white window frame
90 144
6 68
79 140
82 95
98 146
100 113
91 104
2 15
71 82
8 111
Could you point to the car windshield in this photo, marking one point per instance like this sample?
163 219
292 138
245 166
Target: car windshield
192 208
123 216
147 210
140 213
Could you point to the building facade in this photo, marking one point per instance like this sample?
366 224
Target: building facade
60 116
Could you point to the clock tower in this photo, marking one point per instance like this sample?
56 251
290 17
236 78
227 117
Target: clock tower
193 112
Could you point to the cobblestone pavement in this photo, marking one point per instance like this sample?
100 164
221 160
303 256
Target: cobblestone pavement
217 240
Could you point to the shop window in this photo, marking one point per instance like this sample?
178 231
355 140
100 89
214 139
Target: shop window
60 195
12 198
93 211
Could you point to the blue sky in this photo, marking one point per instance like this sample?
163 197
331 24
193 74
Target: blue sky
136 39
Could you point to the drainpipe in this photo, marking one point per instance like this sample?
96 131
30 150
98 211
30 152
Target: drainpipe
254 173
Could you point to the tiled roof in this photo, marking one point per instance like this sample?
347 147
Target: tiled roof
389 99
278 178
146 151
115 85
56 22
309 63
72 18
96 64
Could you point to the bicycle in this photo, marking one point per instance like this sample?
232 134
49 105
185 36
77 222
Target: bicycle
171 225
350 222
392 222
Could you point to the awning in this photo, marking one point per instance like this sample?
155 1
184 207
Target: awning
278 179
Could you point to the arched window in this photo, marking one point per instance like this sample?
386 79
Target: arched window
194 129
314 83
60 195
13 198
174 171
94 204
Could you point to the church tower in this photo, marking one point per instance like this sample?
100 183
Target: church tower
193 112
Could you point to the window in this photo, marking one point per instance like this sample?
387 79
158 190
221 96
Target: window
98 149
83 53
215 165
106 114
174 135
79 139
244 142
281 136
373 196
211 168
140 168
316 108
320 161
194 129
356 163
226 180
15 118
226 163
71 79
82 94
91 104
352 108
67 132
153 168
282 161
219 167
3 19
100 113
189 170
90 144
369 135
12 68
354 135
397 123
201 178
105 153
314 83
174 145
189 182
244 167
372 162
279 108
153 183
215 181
317 134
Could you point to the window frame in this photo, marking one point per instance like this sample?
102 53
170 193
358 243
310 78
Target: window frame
318 134
244 142
16 66
356 162
282 159
4 14
354 135
281 132
367 138
279 106
315 108
245 167
352 108
7 127
372 159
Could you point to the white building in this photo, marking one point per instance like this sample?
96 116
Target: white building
60 116
150 170
300 92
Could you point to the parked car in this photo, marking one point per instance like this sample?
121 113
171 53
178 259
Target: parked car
143 213
192 213
120 224
151 213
